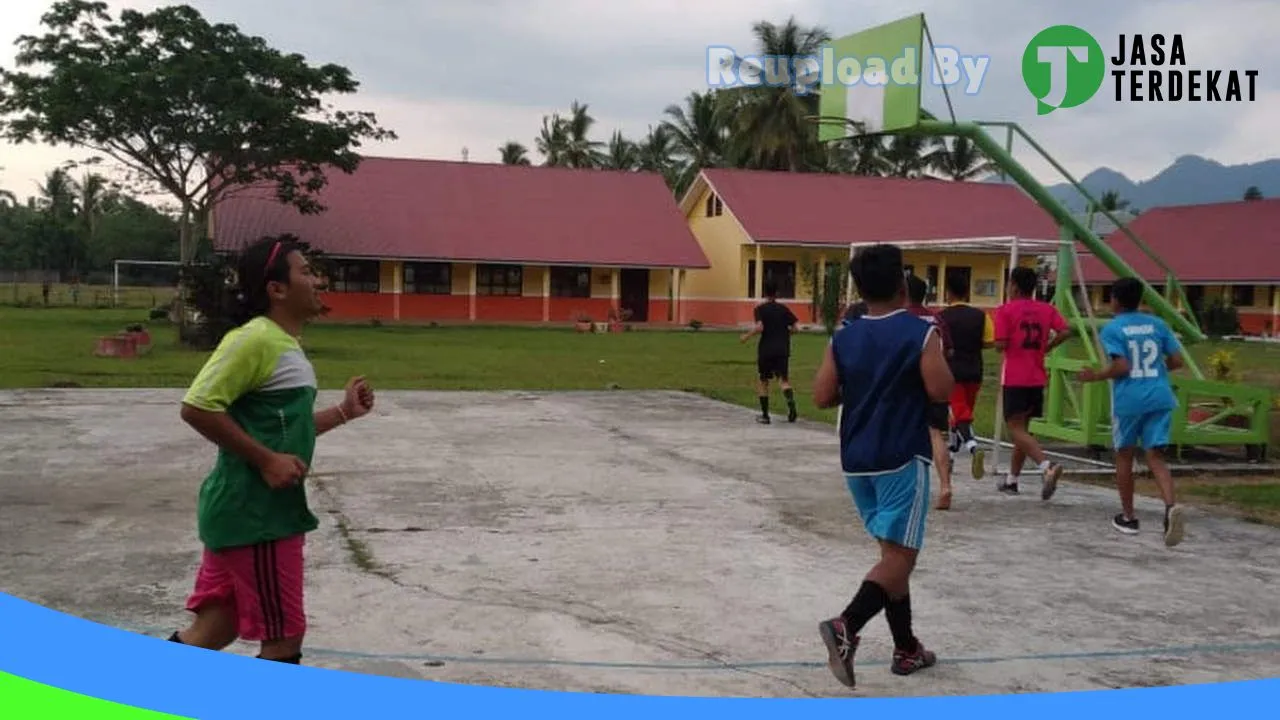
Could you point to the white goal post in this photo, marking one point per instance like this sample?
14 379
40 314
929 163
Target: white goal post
115 275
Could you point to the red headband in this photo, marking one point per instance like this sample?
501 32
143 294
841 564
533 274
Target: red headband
272 257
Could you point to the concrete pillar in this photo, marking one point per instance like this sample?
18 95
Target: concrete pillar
546 294
759 284
471 292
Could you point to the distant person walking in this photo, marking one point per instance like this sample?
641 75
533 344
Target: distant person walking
774 324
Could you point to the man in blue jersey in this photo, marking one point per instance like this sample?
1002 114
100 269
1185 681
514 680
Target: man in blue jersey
884 370
1143 350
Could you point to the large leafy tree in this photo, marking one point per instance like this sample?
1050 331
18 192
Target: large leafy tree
193 109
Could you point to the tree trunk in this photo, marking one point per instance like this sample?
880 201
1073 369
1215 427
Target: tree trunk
185 253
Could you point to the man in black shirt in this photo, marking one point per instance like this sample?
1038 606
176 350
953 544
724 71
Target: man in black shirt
774 324
971 331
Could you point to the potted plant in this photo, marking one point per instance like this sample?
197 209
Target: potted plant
617 318
1222 368
582 322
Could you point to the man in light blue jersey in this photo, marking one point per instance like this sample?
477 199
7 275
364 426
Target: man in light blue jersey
1142 350
883 370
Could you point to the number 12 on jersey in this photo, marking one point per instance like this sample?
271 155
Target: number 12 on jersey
1143 356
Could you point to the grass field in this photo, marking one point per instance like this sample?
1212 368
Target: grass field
54 347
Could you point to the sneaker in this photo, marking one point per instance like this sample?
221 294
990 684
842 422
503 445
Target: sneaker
906 663
1051 481
764 420
841 647
1173 525
1128 526
978 464
1008 488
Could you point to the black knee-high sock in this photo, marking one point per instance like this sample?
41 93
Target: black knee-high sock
898 613
966 430
764 405
175 639
871 599
791 397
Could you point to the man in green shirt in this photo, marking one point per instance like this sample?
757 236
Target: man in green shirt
255 400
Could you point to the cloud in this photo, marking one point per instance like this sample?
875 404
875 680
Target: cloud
449 75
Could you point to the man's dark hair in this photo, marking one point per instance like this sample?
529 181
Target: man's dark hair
917 290
1024 278
958 286
265 261
770 289
877 272
1128 293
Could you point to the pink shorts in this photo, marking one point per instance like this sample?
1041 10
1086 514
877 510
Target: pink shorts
262 584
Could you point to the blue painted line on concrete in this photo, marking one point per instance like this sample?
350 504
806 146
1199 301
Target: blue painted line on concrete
730 666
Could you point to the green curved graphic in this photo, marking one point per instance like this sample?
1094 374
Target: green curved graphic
21 699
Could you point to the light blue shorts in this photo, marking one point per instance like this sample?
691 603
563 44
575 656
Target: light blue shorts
1148 431
894 504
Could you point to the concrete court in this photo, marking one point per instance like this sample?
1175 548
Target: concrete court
655 543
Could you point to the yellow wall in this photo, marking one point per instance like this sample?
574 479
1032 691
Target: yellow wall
460 276
659 284
390 276
722 240
531 278
729 251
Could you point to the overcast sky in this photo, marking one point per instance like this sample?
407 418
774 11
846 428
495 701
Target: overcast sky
476 73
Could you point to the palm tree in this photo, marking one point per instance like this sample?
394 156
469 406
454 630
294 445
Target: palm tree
961 160
1253 193
698 131
513 153
1111 202
553 141
770 125
622 154
657 154
582 151
8 199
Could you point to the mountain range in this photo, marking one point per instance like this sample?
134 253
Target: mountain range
1190 180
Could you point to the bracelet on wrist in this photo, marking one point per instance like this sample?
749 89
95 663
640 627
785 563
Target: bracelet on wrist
342 413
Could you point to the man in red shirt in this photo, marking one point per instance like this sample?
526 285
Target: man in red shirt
1027 330
939 413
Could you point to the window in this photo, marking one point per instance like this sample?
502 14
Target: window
356 276
931 281
984 288
715 207
499 280
572 282
1242 295
781 272
428 278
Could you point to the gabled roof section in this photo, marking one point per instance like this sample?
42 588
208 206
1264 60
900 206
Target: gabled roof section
477 212
1231 242
827 209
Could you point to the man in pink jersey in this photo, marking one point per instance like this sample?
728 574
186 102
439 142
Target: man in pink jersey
1027 330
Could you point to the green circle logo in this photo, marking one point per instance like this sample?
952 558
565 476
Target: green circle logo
1063 66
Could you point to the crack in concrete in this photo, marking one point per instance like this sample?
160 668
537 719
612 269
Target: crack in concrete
362 557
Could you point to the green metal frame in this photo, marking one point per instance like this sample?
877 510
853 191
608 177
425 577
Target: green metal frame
1080 412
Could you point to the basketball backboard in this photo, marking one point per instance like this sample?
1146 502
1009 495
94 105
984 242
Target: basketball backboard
871 80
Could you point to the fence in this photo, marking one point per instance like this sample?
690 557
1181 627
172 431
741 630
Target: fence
36 289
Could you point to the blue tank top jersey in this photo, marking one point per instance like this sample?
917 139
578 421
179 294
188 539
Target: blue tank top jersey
884 418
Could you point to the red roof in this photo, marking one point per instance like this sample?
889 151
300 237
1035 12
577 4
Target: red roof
1231 242
477 212
828 209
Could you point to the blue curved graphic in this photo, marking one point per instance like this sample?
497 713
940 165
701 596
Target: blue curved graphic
97 661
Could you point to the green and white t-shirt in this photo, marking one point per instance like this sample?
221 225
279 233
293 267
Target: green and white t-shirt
261 378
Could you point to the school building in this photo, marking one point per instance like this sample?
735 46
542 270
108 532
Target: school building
421 240
1218 251
754 225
